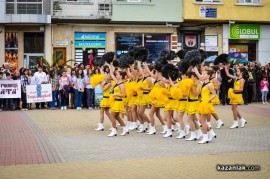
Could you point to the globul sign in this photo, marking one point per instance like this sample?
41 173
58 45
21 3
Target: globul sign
245 31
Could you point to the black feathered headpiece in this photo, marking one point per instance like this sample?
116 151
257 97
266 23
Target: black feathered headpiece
194 57
98 61
183 66
222 58
159 63
141 54
125 60
167 54
181 54
108 57
171 71
203 55
116 63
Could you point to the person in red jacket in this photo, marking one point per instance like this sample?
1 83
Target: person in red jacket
265 89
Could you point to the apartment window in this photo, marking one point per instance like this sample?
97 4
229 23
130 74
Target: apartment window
208 1
249 1
77 0
145 1
104 7
24 7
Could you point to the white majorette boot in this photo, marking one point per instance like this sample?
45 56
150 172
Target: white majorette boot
209 124
113 133
235 125
177 127
141 128
199 124
181 135
152 131
145 126
100 127
211 135
204 139
131 126
199 134
168 133
125 131
243 122
164 129
187 128
193 136
219 124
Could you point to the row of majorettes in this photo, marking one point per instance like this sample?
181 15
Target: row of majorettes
130 91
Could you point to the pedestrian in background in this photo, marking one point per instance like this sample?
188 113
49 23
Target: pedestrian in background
25 80
9 101
264 89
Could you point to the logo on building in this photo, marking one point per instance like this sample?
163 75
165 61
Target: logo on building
245 31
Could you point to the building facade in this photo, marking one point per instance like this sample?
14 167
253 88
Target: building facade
25 32
113 25
237 27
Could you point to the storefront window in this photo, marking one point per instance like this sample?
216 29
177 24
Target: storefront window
153 42
125 40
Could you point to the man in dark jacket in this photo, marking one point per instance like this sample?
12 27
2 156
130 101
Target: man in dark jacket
225 83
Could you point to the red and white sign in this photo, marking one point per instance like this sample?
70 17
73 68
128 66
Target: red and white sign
38 93
10 89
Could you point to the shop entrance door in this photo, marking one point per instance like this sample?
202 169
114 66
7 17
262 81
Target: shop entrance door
59 56
31 60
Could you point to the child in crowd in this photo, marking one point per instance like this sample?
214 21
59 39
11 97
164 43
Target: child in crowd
264 88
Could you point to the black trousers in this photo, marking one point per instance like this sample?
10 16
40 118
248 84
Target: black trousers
224 93
24 103
245 94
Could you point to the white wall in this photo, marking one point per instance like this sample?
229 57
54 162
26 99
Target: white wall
264 45
226 36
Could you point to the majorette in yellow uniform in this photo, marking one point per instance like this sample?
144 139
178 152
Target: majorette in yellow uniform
172 99
193 101
105 103
185 86
157 96
235 98
144 98
216 99
206 107
130 91
138 91
118 103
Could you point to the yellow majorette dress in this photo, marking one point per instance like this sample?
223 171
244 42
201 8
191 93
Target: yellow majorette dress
172 102
193 101
216 99
138 91
157 96
144 97
105 103
206 107
235 98
185 86
118 103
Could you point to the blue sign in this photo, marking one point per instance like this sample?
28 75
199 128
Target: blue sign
211 12
90 36
90 44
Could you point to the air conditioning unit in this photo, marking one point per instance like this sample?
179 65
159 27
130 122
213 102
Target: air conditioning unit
133 0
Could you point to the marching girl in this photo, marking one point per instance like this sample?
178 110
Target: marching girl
215 101
172 94
117 106
146 86
205 107
132 96
105 103
192 107
235 96
185 84
157 102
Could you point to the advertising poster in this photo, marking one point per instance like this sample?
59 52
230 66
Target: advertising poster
11 49
238 52
38 93
10 89
155 43
190 41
